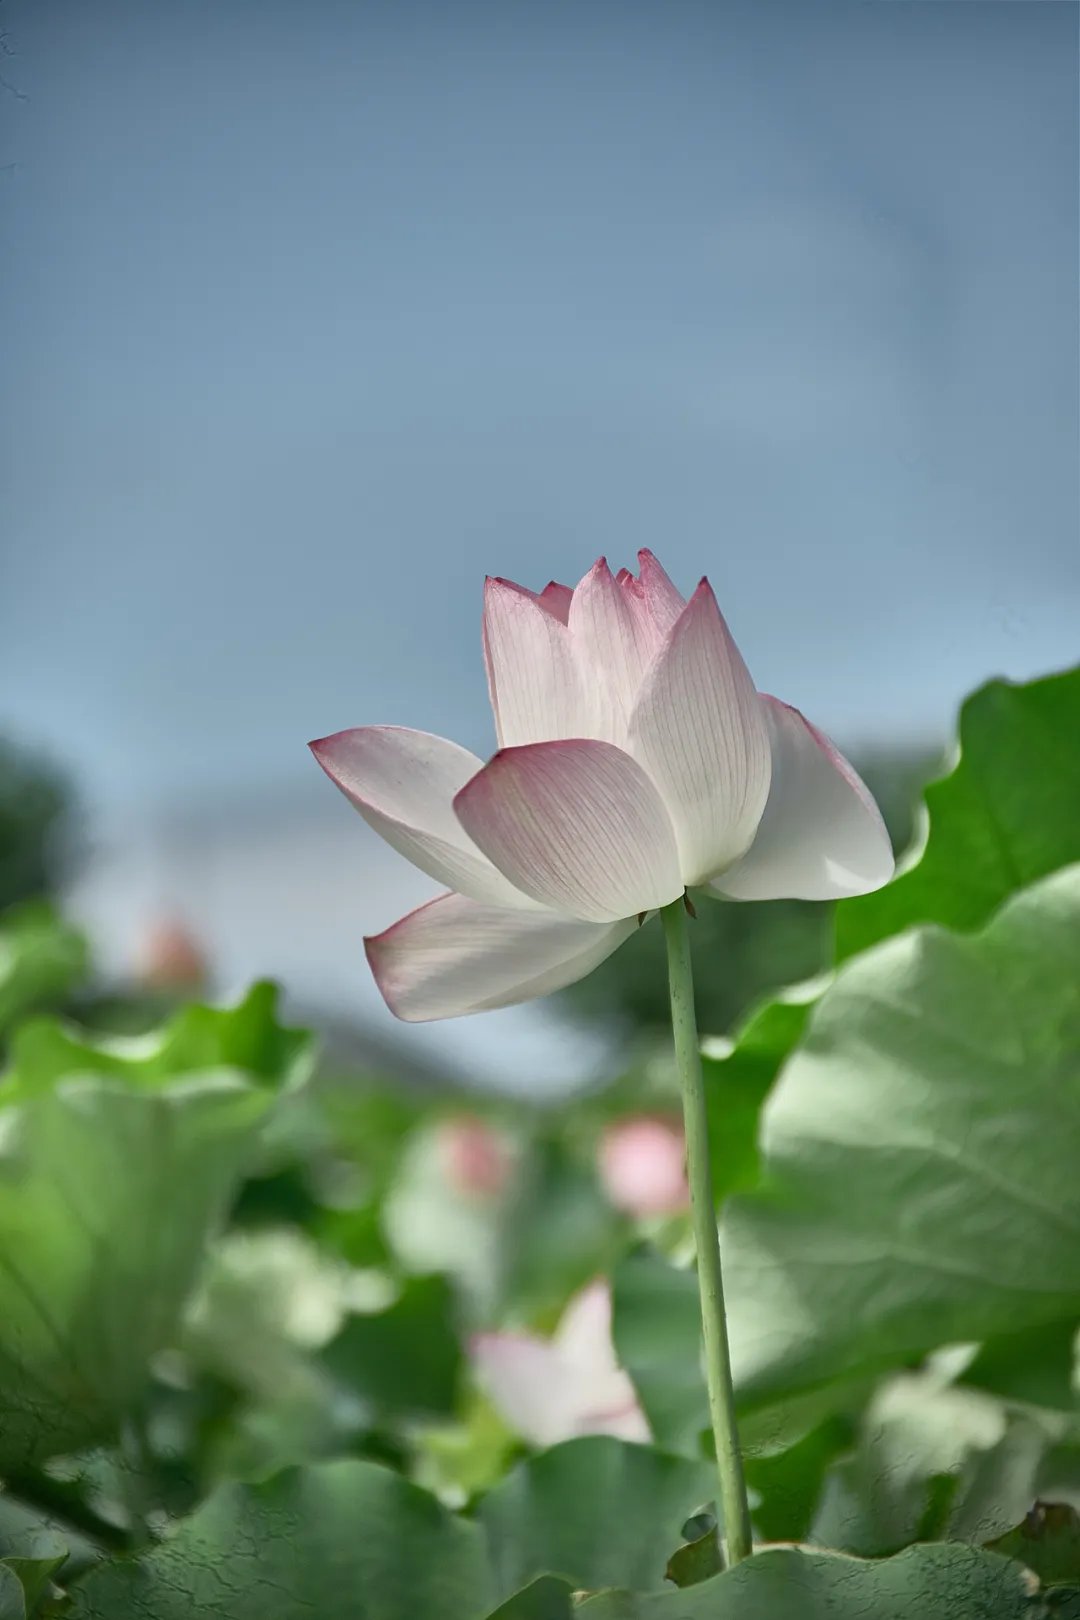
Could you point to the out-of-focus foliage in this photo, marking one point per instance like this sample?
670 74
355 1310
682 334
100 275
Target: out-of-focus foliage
117 1161
27 1568
35 803
246 1039
41 960
241 1295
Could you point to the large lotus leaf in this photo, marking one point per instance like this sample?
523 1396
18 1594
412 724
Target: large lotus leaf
920 1155
344 1540
924 1583
107 1195
12 1595
786 1485
739 1074
350 1540
33 1561
656 1326
657 1331
596 1511
932 1582
1037 1365
545 1599
932 1462
1007 815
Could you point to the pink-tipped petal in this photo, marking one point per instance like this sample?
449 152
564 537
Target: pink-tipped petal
577 825
619 1415
700 730
633 593
537 693
584 1331
614 640
403 783
604 1398
556 599
455 956
663 601
821 836
552 1390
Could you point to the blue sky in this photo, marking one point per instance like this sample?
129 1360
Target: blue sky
317 313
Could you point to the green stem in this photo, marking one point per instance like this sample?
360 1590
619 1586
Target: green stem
736 1511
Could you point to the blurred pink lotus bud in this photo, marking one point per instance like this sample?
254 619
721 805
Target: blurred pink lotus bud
170 958
476 1158
555 1389
642 1165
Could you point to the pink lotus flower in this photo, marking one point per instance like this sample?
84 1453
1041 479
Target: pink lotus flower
477 1160
642 1164
636 759
549 1390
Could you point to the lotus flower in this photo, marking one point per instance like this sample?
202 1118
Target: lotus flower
642 1163
477 1160
636 760
554 1389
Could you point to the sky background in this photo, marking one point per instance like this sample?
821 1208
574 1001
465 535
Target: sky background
316 313
323 311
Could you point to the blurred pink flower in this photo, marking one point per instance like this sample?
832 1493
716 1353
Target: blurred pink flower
635 758
170 957
476 1158
643 1166
549 1390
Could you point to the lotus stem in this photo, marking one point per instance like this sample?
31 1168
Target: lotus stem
733 1503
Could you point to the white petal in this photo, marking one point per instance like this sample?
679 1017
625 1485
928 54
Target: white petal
614 643
584 1331
403 784
537 693
552 1391
577 825
524 1378
663 601
604 1399
822 836
632 590
700 731
456 956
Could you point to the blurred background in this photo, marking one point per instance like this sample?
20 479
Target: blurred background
316 314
